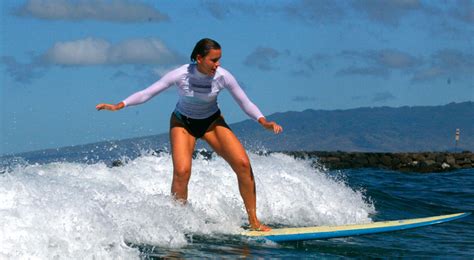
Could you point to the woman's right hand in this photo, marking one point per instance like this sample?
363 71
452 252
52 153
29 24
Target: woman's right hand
110 107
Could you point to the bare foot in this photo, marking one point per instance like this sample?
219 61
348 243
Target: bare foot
260 227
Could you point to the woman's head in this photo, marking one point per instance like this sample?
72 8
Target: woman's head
203 47
207 54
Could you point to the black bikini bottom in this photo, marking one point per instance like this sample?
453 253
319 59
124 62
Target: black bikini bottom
197 127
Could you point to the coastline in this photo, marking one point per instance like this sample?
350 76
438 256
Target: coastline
423 162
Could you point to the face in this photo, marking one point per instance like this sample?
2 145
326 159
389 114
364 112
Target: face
209 63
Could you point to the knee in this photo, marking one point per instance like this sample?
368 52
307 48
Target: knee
243 165
182 174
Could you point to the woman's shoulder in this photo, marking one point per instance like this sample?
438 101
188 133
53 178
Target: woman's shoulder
180 70
223 72
185 68
226 77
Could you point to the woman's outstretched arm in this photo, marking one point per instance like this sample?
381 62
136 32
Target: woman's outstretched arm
144 95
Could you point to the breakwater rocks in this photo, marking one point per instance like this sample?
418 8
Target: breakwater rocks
407 162
424 162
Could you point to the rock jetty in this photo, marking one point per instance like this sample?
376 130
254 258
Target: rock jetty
424 162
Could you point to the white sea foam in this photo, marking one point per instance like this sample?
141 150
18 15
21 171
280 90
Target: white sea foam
71 210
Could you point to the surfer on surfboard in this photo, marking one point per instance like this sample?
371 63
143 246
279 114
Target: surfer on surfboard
197 115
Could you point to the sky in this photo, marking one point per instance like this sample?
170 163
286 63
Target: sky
59 58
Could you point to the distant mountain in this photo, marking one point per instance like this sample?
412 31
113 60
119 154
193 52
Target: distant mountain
377 129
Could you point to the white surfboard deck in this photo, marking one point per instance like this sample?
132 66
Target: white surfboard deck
324 232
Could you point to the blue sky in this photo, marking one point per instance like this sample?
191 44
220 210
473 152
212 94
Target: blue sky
60 58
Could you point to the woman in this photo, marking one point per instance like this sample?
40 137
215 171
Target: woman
197 115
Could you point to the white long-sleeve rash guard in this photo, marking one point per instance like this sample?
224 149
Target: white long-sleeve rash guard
197 92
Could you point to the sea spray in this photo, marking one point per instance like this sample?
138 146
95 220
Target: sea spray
293 193
76 210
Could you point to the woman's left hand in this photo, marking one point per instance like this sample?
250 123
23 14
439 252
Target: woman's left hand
270 125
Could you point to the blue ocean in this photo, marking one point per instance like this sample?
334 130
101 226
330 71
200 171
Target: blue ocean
58 205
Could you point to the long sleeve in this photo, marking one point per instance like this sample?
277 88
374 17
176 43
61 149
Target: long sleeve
241 98
146 94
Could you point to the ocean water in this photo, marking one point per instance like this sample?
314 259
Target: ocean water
67 208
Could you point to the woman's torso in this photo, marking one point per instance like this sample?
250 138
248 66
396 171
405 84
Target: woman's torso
198 92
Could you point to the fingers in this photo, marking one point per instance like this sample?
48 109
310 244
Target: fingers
272 126
110 107
100 106
105 106
277 128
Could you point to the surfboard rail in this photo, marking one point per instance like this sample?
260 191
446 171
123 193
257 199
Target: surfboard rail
325 232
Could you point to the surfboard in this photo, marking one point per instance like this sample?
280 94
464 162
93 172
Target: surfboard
325 232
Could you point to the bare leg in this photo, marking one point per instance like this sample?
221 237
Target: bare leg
226 144
182 147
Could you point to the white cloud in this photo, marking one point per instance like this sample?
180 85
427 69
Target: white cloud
88 51
141 51
91 51
103 10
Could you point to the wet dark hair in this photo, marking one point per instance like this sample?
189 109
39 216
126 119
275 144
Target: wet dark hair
203 47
